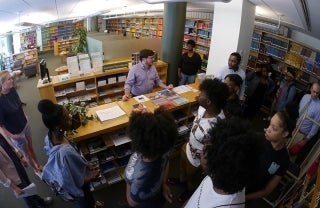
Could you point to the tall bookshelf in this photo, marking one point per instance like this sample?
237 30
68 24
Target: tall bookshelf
200 31
28 38
287 52
58 32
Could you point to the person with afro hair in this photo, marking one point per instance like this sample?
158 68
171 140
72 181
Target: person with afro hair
153 135
212 98
228 159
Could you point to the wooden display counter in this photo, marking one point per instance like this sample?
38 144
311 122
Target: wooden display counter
97 145
100 87
96 127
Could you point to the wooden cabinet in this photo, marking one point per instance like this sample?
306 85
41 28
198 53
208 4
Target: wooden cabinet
63 45
95 88
28 57
287 52
110 84
200 31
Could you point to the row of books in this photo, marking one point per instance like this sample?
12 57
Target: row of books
275 41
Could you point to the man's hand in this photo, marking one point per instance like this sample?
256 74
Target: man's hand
126 97
169 87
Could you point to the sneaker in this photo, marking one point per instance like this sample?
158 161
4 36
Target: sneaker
185 196
175 182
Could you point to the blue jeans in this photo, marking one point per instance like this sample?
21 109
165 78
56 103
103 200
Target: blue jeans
187 79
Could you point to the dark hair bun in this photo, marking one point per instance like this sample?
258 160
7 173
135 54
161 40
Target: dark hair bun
46 106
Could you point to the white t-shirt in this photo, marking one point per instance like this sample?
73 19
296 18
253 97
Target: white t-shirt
206 197
199 129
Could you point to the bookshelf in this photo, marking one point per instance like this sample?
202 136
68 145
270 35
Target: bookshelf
142 27
63 45
287 52
200 31
28 38
98 87
58 32
28 57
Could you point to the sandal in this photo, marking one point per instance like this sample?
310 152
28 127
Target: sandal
98 204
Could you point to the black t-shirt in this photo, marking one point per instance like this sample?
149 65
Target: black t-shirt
190 65
272 162
12 116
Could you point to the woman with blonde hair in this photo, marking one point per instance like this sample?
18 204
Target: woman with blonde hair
13 120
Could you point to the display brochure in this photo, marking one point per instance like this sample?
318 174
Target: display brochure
28 191
141 98
73 66
181 89
139 107
84 62
97 61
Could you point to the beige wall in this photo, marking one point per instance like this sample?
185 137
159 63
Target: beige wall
117 46
124 48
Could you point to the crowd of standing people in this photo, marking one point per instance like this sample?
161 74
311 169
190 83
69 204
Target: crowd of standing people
224 162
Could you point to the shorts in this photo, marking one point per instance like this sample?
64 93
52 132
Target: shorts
23 139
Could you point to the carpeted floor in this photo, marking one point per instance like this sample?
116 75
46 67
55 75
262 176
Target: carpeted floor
111 195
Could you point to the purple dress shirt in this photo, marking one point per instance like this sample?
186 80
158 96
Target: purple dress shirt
141 80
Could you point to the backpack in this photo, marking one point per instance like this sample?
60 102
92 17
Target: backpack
59 191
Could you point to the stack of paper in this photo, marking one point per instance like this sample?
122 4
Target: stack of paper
110 113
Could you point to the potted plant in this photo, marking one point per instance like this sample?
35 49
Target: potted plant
78 111
81 45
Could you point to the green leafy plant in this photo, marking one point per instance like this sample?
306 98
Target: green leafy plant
81 45
79 113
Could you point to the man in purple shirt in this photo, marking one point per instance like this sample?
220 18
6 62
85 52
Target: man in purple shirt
142 76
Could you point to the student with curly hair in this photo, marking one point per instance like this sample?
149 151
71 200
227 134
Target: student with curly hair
65 169
212 98
152 134
274 160
229 157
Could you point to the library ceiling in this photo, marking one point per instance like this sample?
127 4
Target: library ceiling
302 14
